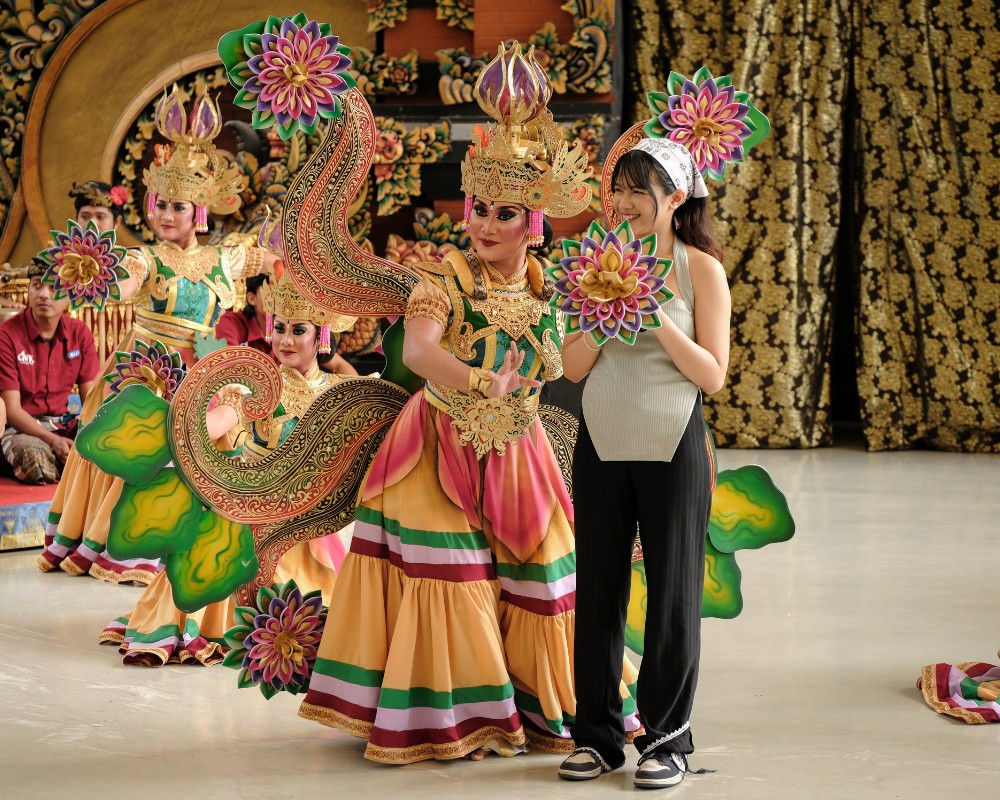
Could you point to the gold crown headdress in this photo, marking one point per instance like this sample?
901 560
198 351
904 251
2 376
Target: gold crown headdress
523 158
283 299
191 168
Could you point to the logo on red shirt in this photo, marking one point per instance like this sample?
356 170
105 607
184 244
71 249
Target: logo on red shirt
26 358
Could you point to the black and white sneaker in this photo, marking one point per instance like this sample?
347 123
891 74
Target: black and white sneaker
583 765
660 770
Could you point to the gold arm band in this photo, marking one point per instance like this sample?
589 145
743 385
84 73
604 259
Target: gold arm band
430 307
232 396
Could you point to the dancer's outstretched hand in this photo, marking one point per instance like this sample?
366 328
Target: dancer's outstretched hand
506 379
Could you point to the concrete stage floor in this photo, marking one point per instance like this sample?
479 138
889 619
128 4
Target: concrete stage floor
809 694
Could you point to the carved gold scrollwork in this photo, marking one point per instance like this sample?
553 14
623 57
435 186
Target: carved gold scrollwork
459 71
325 262
324 456
29 33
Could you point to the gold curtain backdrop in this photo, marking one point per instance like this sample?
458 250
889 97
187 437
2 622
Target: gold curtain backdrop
778 214
929 359
921 210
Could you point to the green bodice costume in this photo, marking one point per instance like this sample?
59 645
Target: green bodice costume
297 393
482 312
183 292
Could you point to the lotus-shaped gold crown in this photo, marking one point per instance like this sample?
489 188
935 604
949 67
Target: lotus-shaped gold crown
190 168
283 299
523 158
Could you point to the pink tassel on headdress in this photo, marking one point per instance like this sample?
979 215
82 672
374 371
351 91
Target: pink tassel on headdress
150 203
201 219
536 228
268 327
324 339
468 212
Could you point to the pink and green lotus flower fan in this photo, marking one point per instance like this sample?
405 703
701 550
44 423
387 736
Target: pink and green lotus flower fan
707 115
610 285
84 265
275 642
152 365
289 72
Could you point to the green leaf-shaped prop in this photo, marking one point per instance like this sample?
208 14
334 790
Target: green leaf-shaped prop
127 437
159 517
221 560
748 511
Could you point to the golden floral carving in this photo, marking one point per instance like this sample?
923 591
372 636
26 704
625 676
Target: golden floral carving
487 423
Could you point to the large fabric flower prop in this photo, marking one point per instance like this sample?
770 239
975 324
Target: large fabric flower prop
708 116
275 642
610 284
151 365
748 512
289 72
84 265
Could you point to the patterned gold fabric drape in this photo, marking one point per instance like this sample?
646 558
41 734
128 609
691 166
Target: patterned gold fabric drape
922 210
929 359
779 213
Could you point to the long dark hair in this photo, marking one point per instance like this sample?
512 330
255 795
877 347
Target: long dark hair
692 223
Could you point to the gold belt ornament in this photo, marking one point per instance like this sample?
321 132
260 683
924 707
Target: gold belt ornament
487 423
172 331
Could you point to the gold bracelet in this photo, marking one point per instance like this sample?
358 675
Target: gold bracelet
591 344
232 396
479 381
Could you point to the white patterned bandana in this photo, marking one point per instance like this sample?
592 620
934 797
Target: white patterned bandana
678 163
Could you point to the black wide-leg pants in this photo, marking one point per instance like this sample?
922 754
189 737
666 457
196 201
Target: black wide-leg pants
670 502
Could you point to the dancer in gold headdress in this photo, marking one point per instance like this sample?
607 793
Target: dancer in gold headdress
156 632
179 288
452 624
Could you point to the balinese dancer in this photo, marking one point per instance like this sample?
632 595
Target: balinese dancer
156 632
453 622
452 625
179 288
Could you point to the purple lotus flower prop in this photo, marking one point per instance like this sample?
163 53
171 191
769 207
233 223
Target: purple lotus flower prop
84 265
610 284
151 365
275 642
716 123
289 72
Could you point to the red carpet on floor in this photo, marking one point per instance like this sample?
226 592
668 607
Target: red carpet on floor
14 493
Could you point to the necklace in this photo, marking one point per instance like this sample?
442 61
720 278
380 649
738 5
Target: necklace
516 281
298 390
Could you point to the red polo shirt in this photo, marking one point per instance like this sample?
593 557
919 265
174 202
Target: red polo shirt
45 372
237 328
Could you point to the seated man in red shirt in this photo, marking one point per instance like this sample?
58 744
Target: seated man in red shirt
246 327
43 355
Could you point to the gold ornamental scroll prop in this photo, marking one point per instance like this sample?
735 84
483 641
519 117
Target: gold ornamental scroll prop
324 457
625 142
272 540
325 262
